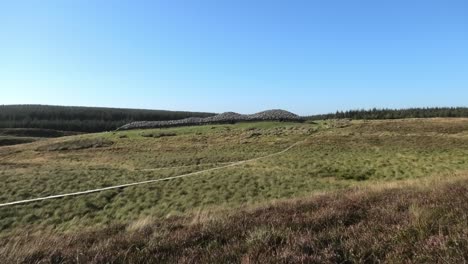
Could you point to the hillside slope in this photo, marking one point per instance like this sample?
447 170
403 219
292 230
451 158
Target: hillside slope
328 156
412 224
82 119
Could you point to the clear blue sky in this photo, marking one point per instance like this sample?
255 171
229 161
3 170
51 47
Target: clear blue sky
240 55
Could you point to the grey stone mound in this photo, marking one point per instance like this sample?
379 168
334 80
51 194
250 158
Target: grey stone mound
276 114
228 117
225 117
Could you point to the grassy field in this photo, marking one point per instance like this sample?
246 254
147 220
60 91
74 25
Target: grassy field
415 221
16 136
332 156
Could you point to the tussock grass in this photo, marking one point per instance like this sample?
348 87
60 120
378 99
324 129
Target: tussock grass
334 156
77 144
390 224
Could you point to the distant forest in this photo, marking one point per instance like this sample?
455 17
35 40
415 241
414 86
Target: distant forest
395 113
97 119
81 119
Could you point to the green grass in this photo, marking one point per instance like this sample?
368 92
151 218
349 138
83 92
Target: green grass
334 155
414 221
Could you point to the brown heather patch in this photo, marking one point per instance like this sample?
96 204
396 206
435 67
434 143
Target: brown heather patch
416 125
425 223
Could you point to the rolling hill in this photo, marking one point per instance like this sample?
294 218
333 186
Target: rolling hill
344 191
82 119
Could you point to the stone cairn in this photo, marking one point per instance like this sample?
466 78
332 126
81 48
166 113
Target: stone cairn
224 118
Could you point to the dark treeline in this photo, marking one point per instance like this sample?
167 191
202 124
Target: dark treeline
81 119
396 113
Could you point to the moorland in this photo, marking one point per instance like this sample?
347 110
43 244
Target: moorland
348 191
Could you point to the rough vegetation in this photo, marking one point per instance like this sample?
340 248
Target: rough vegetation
81 119
15 136
203 218
224 118
158 135
35 132
411 224
77 144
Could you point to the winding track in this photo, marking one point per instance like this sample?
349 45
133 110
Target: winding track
149 181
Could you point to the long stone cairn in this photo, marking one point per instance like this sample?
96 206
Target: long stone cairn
224 118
